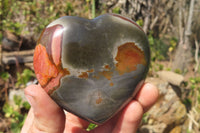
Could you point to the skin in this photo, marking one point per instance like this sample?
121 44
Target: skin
45 116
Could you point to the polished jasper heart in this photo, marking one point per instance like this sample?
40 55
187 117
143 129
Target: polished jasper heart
92 68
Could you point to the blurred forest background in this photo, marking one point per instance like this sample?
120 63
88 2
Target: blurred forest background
173 30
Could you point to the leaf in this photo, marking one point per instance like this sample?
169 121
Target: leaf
8 110
24 77
140 22
17 100
91 126
4 75
26 105
171 49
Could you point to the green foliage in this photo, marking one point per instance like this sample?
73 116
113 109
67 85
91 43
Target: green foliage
173 44
4 8
161 67
195 80
69 8
178 71
8 110
188 131
18 15
156 66
158 48
195 90
195 83
145 118
32 16
15 27
116 10
1 36
24 77
91 126
15 114
18 100
187 102
140 22
26 105
10 8
168 69
4 75
1 11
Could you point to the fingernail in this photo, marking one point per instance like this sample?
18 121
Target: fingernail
150 85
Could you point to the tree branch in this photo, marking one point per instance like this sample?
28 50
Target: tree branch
196 55
189 22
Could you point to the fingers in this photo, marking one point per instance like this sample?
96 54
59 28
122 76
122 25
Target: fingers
47 115
130 118
126 121
132 114
75 124
147 96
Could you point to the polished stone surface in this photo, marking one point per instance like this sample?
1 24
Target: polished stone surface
92 68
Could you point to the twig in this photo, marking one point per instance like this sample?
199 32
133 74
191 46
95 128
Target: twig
190 125
193 120
189 22
24 52
0 55
93 8
154 22
196 55
21 56
195 111
146 23
158 128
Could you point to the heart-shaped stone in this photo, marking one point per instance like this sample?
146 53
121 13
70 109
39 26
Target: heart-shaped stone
92 68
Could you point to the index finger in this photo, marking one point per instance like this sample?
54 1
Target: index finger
147 96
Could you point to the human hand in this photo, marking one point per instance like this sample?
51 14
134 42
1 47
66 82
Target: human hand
45 116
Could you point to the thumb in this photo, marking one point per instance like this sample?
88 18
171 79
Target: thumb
48 116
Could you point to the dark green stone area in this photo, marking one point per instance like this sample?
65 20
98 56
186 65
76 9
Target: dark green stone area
90 44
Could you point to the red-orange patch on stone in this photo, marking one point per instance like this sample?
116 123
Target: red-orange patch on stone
83 75
90 71
44 68
96 77
107 74
111 84
107 67
66 71
128 57
99 99
53 83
